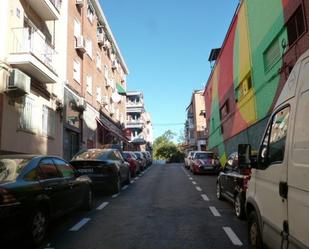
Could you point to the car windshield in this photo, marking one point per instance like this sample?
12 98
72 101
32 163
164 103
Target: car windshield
126 155
91 154
137 155
11 168
204 155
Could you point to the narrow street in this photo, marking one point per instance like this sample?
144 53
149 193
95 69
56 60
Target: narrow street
165 207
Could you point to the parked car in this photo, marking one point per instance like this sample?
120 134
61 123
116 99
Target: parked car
277 200
150 157
37 189
232 183
105 167
188 159
204 162
147 157
133 162
141 159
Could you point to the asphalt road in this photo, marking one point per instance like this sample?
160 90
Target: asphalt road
165 208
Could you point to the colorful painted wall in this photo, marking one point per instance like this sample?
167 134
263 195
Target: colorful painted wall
251 70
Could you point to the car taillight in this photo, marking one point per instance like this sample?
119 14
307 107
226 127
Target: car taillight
245 182
6 197
247 171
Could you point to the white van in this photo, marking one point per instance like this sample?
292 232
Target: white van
277 201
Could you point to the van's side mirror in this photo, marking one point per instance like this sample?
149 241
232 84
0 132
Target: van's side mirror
244 155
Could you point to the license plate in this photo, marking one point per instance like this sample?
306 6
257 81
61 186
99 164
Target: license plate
85 170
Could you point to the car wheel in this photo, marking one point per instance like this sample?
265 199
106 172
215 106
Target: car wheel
218 192
254 233
116 186
88 200
239 206
38 226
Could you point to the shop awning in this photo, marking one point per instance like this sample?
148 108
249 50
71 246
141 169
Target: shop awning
120 89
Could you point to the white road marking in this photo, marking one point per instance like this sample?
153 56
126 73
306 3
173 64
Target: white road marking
205 197
232 236
79 225
194 182
132 181
103 205
115 196
198 188
124 187
136 178
190 178
214 211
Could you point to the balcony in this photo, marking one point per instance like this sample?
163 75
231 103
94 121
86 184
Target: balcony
46 9
135 123
31 54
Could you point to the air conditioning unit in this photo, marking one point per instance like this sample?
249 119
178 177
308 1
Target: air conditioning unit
18 84
100 35
81 104
104 100
79 3
80 44
106 44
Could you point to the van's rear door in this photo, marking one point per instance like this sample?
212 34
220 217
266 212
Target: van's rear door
298 173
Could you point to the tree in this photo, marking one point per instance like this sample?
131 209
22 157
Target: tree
164 148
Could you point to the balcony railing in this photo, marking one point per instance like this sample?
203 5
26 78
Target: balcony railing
28 40
133 103
56 3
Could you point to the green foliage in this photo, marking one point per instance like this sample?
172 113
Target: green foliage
164 148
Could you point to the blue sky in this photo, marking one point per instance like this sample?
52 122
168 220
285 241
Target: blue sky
166 44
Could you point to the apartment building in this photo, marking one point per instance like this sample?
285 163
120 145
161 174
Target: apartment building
264 41
94 79
138 121
30 94
195 126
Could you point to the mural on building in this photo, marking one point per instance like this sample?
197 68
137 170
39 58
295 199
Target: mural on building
259 50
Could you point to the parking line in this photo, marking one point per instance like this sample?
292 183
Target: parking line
115 195
124 187
214 211
194 182
198 188
103 205
205 197
79 225
232 236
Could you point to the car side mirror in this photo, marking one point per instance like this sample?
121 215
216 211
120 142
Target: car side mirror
244 155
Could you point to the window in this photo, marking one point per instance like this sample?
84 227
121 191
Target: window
48 169
77 28
296 25
48 121
98 61
271 55
89 84
89 47
90 12
244 87
274 141
99 94
76 70
31 176
27 115
65 169
224 110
